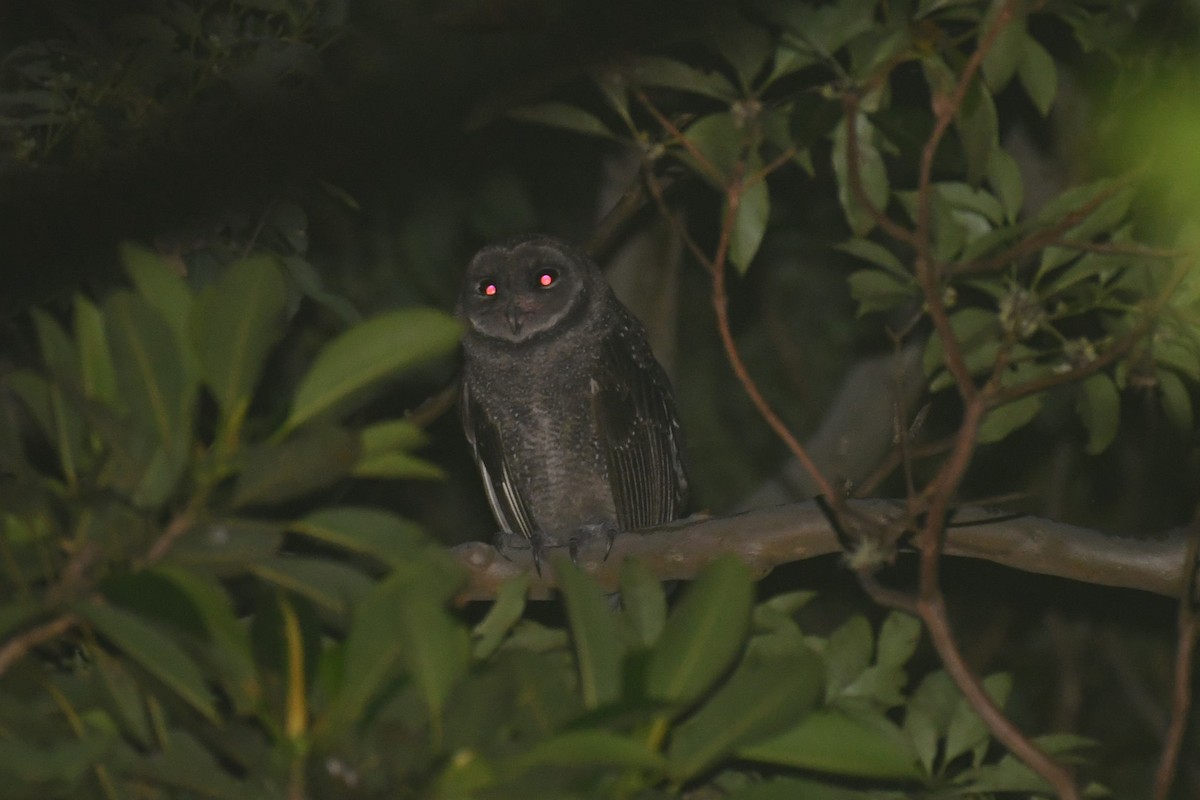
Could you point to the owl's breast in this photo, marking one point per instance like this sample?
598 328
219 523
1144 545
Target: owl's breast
543 413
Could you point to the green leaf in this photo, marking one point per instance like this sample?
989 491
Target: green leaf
1103 220
829 740
153 651
847 653
898 639
63 761
588 748
58 351
150 368
56 415
381 534
703 634
329 585
643 602
762 698
1177 402
403 621
397 466
979 203
124 698
790 58
506 611
184 764
161 287
1009 774
1179 352
883 683
750 223
304 276
311 459
1099 408
1008 50
979 129
227 546
392 435
34 391
806 788
96 364
598 649
230 653
236 323
564 116
928 714
650 70
877 290
162 474
824 29
875 253
1004 176
777 615
16 614
718 138
976 330
1012 416
360 358
743 45
871 172
966 730
1039 76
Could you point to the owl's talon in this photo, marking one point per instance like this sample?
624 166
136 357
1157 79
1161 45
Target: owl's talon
538 544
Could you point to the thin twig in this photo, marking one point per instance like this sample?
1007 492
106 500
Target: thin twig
854 174
721 306
1046 237
1121 249
17 647
735 187
936 497
178 527
1110 355
1181 704
703 161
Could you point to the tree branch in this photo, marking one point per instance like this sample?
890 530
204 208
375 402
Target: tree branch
1181 705
767 538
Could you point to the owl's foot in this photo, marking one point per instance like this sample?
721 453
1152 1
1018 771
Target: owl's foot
506 542
592 532
577 540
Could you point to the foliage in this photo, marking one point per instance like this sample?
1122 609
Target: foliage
1032 299
189 608
137 67
206 642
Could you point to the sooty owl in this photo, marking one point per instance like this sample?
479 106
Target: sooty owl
570 418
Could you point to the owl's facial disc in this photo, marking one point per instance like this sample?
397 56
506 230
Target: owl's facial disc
517 295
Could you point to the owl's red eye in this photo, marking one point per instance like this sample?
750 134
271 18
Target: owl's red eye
488 288
547 278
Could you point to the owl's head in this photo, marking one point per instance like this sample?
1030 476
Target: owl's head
523 288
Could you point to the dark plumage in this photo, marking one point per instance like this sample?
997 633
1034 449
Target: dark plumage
570 418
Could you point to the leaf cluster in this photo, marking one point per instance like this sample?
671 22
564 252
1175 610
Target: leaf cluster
1037 297
182 615
167 520
130 70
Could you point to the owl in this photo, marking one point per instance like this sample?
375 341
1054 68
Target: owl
570 418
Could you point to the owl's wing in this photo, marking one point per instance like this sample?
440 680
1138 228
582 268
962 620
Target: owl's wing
509 507
639 432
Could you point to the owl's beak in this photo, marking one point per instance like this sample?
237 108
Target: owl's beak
516 318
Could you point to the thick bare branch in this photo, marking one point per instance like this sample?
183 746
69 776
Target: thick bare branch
770 537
